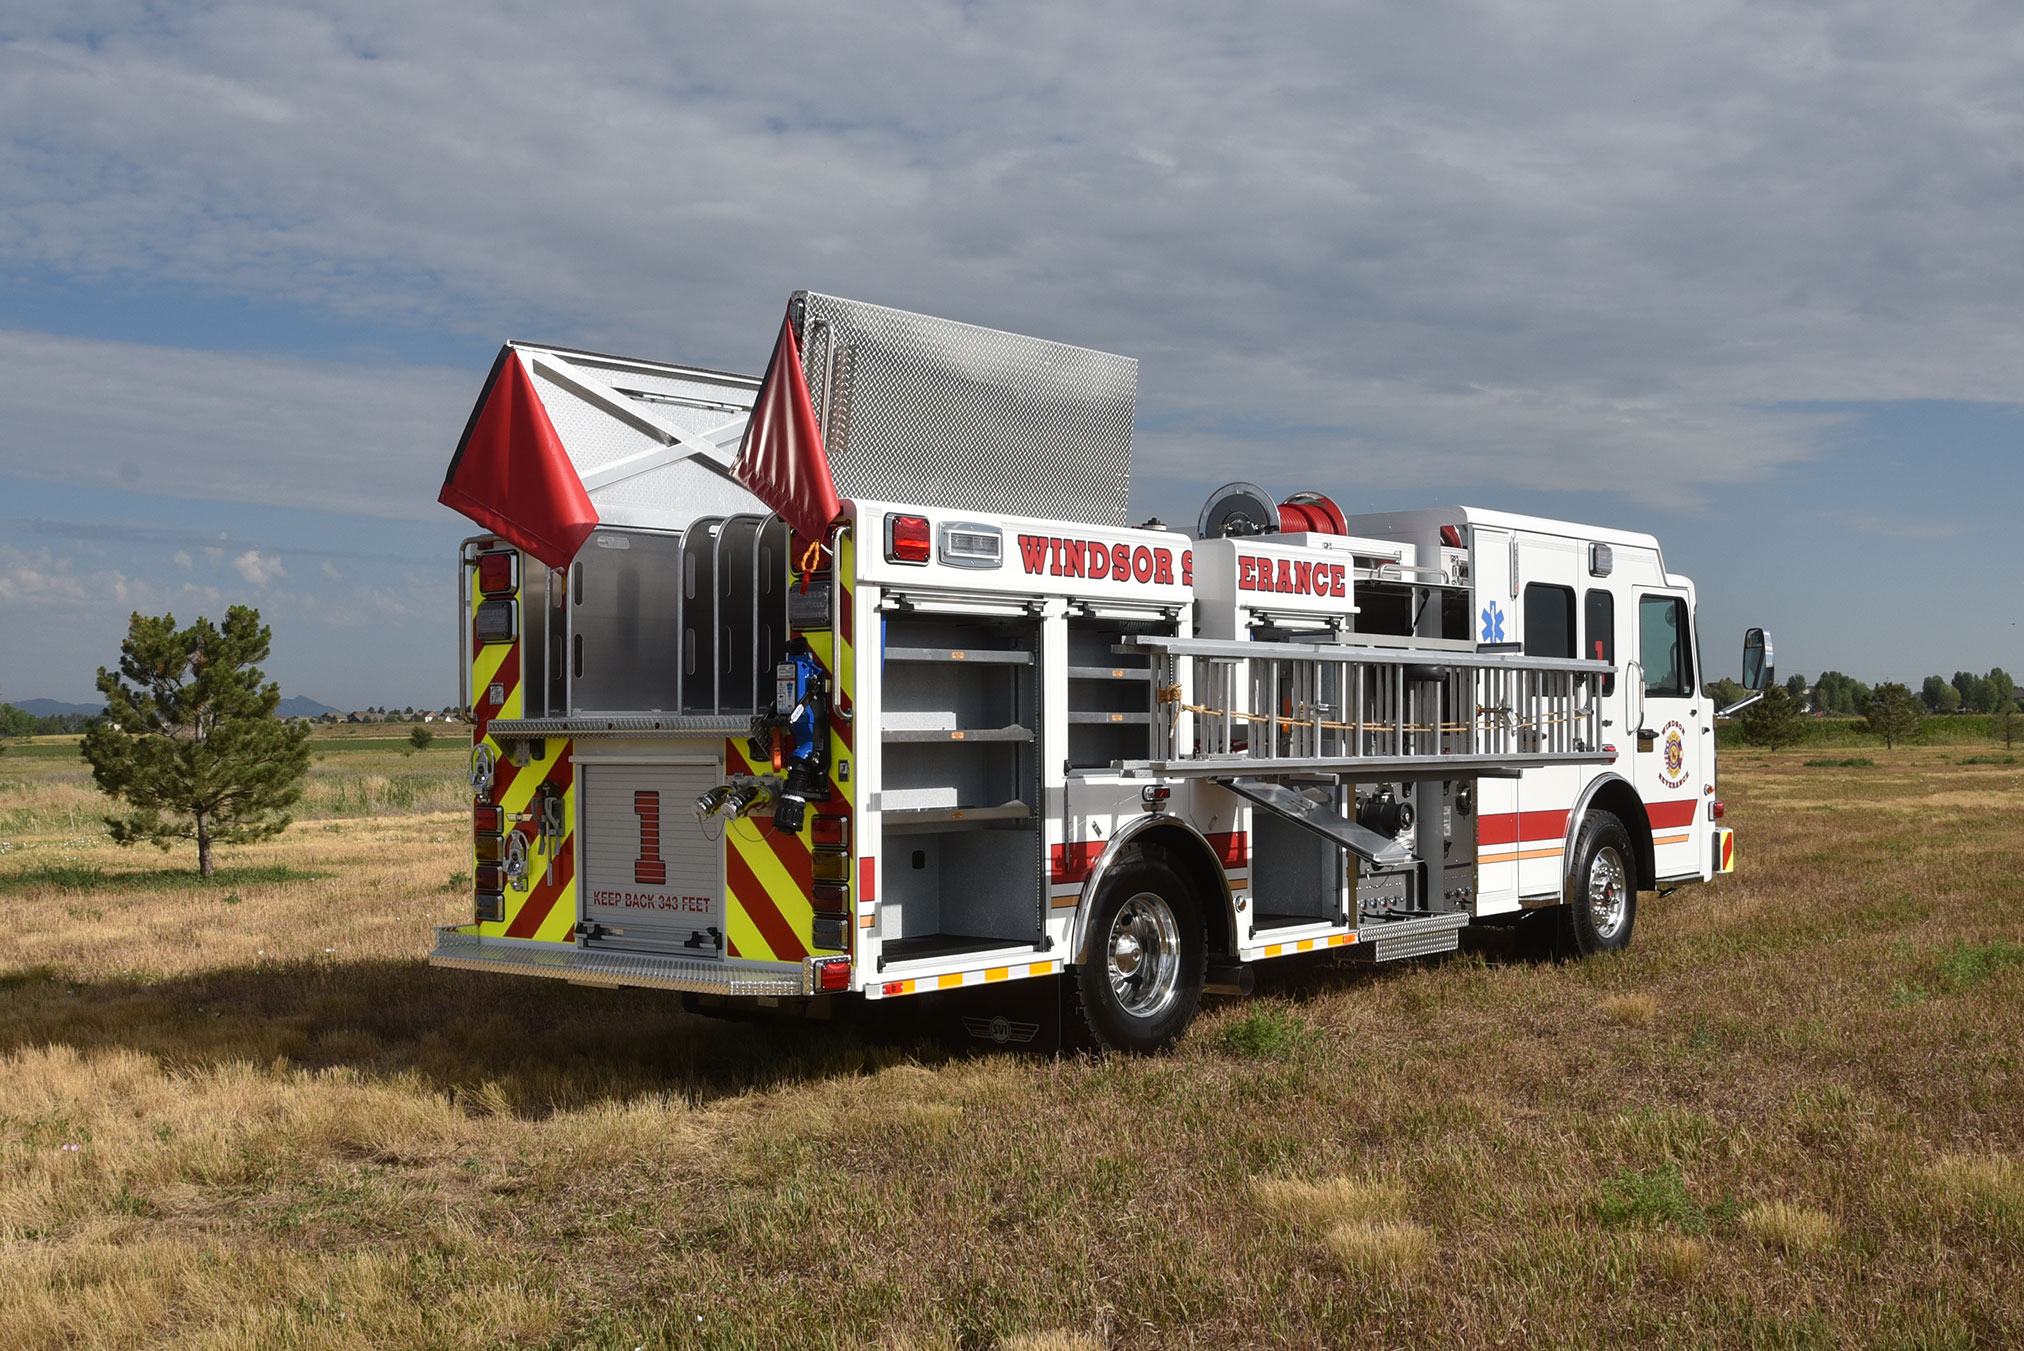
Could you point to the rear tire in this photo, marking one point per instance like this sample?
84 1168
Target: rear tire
1141 984
1601 890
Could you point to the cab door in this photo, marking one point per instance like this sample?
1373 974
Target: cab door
1667 762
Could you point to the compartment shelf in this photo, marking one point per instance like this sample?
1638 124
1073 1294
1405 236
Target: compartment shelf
971 655
954 735
1099 718
1138 673
905 818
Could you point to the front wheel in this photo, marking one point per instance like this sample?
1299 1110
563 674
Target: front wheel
1141 979
1601 905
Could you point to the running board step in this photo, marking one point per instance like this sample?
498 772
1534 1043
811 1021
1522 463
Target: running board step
1379 850
1392 940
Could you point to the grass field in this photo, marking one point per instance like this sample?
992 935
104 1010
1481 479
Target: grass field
245 1114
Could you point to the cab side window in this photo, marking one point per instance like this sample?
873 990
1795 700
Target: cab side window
1549 620
1601 620
1665 647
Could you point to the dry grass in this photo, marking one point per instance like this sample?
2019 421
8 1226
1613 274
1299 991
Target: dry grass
248 1115
1788 1228
1632 1010
1319 1206
1381 1252
1678 1259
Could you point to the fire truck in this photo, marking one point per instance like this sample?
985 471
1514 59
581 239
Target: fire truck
961 723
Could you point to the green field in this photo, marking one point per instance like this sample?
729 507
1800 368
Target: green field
246 1114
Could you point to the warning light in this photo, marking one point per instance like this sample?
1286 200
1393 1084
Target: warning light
832 976
495 573
488 819
908 539
831 866
1451 536
833 831
1715 811
491 849
491 877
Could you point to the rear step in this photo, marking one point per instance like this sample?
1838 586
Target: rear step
1391 940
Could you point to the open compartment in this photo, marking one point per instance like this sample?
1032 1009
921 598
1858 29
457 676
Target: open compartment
1110 694
625 609
961 846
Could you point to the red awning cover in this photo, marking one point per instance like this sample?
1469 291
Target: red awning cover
511 474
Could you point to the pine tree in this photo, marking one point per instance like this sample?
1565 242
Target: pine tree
1892 712
1774 720
189 740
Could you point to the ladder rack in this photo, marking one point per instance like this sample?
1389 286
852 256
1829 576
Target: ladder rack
1378 712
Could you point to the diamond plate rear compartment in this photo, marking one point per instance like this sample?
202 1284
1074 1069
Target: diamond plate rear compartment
653 879
930 411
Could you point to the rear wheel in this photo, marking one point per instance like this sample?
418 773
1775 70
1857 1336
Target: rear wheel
1141 981
1601 907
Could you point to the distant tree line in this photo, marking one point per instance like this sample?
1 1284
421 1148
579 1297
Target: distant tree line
15 722
1844 695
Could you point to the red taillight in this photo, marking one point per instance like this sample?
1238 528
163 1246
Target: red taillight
893 987
832 831
908 539
1715 811
831 899
495 573
491 878
488 819
832 976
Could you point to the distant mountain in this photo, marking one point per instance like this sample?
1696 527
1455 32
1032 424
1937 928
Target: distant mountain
302 706
52 708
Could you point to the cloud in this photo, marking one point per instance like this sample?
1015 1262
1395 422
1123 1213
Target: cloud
258 570
213 555
235 428
1598 244
329 569
183 560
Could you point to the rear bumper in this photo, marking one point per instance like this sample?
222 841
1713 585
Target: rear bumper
461 949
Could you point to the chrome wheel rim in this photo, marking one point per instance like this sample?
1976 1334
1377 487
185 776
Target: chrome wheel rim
1608 893
1143 953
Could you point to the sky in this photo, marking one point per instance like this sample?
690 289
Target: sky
1750 277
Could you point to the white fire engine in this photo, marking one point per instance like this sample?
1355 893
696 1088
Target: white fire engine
980 729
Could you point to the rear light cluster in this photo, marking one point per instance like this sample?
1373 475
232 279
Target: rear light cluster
488 845
908 539
497 619
831 869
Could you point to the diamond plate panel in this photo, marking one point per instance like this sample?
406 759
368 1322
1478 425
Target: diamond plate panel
929 411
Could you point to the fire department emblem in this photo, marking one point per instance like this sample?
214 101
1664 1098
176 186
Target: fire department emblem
1673 756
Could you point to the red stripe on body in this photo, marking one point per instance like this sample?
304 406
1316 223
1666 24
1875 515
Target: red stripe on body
867 879
759 908
1072 862
1514 827
1679 813
1233 847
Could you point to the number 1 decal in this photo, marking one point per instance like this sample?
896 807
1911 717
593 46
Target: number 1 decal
648 870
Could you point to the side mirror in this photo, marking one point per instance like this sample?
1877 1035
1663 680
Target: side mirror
1756 660
1756 671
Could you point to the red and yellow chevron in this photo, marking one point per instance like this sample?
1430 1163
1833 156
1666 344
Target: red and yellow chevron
546 910
769 907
